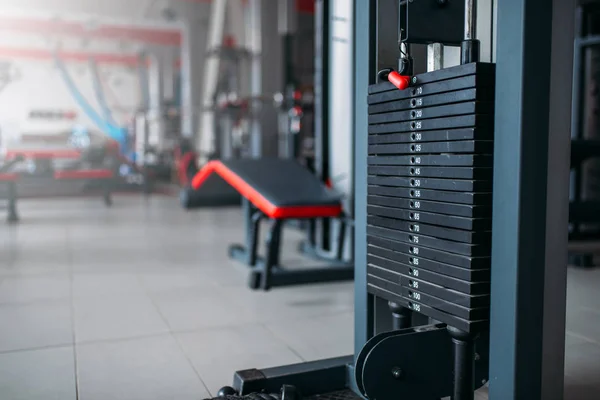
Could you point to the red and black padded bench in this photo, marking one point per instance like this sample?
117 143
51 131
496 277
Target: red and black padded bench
9 180
280 190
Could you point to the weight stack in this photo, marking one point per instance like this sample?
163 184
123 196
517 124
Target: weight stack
429 200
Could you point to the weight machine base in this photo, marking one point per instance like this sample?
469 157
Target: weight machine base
322 379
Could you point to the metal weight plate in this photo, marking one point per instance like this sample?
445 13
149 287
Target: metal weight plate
456 322
457 235
441 111
385 227
418 297
415 261
481 121
466 274
481 287
469 173
456 96
470 198
415 214
431 254
441 135
465 146
420 285
486 71
436 207
438 160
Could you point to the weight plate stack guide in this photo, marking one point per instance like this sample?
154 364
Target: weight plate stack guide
429 200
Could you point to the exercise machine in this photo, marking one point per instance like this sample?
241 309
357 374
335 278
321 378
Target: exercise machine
56 172
508 287
280 190
584 215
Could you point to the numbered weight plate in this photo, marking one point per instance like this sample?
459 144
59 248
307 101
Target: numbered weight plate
457 96
385 227
468 173
442 111
440 160
462 286
456 322
441 135
450 307
435 195
485 69
480 121
430 254
454 210
415 215
466 274
416 261
467 146
417 182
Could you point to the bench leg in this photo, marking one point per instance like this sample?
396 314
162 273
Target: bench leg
262 278
341 240
12 203
253 238
107 193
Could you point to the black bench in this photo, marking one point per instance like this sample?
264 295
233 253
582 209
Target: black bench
280 190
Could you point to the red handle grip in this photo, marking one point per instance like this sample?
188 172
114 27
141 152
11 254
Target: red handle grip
400 81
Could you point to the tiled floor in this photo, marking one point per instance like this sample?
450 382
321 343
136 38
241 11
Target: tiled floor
140 302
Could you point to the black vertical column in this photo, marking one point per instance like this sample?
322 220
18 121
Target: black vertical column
531 180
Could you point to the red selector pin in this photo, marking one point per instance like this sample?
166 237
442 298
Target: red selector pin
400 81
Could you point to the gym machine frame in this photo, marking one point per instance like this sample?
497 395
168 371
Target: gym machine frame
530 194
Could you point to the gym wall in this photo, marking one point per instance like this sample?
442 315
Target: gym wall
35 84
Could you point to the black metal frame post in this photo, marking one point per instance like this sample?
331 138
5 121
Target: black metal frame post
365 70
531 180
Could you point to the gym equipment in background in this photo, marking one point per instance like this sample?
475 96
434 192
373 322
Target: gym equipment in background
584 213
280 190
65 170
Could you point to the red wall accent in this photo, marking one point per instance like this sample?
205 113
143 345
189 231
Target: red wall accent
47 27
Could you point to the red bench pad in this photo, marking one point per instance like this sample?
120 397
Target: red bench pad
278 188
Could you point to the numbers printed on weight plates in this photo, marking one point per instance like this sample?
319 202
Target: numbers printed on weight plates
415 160
413 239
416 125
414 228
416 102
415 216
417 91
415 307
415 295
414 250
415 204
413 272
415 137
415 148
416 114
415 193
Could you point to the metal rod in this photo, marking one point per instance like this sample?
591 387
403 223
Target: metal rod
463 345
470 19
